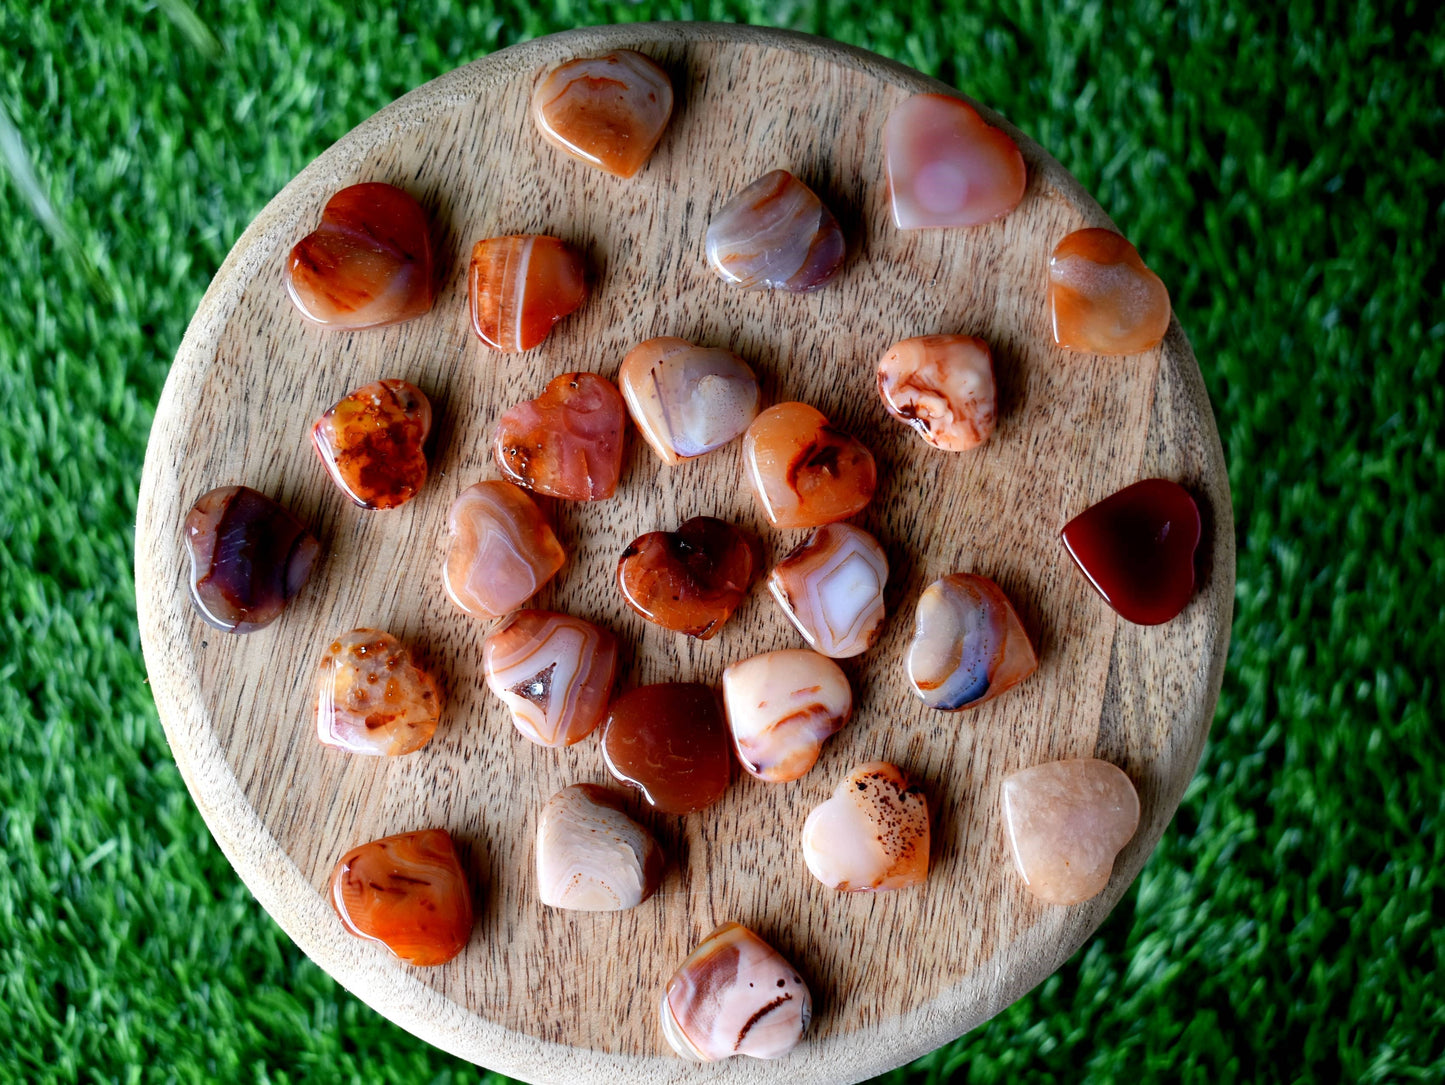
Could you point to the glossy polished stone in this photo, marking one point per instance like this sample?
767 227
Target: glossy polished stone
687 400
592 857
1066 822
519 286
670 742
373 443
1137 549
804 472
249 556
1102 298
502 549
567 442
872 834
368 264
407 892
692 579
968 644
607 111
372 698
776 233
947 166
553 671
942 386
831 588
735 995
781 707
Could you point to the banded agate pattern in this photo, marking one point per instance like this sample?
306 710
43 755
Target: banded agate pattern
502 549
554 673
781 707
735 995
968 644
831 589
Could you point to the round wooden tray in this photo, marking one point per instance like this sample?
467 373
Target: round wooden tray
557 996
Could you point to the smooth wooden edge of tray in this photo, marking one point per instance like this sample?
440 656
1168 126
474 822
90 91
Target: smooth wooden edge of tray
279 885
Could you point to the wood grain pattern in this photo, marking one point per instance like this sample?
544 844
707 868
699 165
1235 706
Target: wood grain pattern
553 996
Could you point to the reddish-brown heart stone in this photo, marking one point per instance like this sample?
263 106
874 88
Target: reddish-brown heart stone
368 264
1137 548
689 580
567 442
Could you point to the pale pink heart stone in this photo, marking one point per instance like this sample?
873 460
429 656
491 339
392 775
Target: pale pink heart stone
735 995
831 588
502 549
781 706
947 166
872 834
1066 822
687 400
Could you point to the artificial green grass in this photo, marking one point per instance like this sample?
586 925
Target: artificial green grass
1278 165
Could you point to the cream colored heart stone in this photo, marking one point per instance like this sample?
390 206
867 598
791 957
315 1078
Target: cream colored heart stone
1066 822
592 857
781 706
735 995
872 834
687 400
831 588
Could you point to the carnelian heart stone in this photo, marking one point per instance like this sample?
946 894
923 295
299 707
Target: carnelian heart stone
1137 548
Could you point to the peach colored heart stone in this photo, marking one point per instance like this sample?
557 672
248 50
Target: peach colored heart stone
873 834
1102 298
1066 821
502 549
947 166
368 264
687 400
372 698
519 286
942 386
804 472
781 707
567 442
607 111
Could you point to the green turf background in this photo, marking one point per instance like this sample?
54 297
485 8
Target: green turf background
1278 164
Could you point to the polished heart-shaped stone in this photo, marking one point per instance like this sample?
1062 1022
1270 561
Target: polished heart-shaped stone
671 743
1137 549
407 892
776 233
1102 298
607 111
872 834
687 400
567 442
947 166
781 707
249 556
592 857
1066 822
372 443
804 472
373 698
831 588
519 286
689 580
368 264
735 995
942 386
968 644
553 671
502 549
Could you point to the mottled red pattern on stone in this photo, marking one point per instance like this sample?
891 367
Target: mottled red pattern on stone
372 443
567 442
